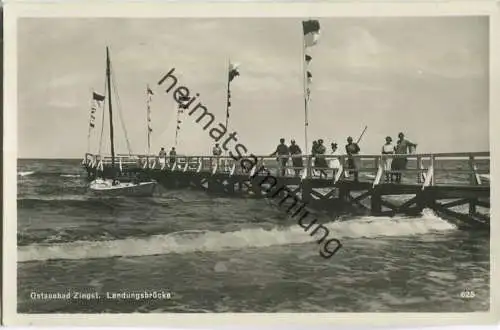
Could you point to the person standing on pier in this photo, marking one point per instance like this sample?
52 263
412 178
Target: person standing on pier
314 151
282 152
388 149
172 155
334 162
403 147
217 152
296 154
162 156
352 149
320 159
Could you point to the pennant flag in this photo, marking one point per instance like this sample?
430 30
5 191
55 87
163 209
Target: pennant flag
309 77
233 71
183 99
149 93
308 58
98 97
311 32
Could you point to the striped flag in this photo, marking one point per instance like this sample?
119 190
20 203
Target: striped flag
311 32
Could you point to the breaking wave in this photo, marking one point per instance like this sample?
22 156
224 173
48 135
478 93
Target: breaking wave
208 241
48 174
25 173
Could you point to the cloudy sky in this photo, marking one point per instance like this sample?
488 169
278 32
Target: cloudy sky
427 77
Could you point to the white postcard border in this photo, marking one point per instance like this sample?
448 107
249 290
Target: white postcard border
14 10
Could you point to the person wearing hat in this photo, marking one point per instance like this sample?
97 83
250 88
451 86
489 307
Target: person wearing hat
388 149
216 153
334 161
352 149
296 154
320 159
403 147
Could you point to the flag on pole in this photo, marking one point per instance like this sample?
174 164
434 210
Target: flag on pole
233 71
149 93
98 97
182 105
180 110
311 36
96 103
309 77
311 32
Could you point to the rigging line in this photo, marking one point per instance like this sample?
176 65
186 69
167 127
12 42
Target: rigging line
306 91
120 111
103 114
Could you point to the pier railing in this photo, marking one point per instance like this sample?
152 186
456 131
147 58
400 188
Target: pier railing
425 169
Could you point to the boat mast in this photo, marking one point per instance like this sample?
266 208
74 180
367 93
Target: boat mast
108 77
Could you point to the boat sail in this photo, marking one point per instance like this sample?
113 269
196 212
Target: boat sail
107 182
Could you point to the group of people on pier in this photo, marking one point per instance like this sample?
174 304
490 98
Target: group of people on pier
162 155
318 152
392 166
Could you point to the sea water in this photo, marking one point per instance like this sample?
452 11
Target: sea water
214 254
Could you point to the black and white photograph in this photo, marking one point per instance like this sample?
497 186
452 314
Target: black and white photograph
305 164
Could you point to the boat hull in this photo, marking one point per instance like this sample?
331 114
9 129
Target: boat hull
106 188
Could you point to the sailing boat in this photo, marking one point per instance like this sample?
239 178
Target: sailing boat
110 185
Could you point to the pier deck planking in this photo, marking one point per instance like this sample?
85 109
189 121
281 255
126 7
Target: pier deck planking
441 182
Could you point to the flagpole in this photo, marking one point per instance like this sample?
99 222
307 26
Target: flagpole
101 137
148 114
227 95
304 83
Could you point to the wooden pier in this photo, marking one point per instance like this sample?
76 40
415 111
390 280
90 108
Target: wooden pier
454 185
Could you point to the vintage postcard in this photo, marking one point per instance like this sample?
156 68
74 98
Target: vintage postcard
250 163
